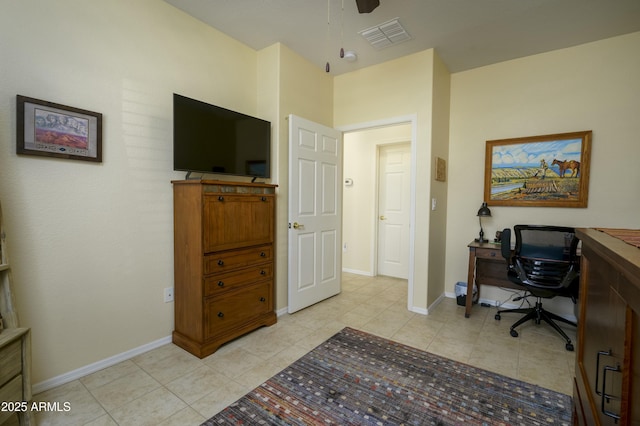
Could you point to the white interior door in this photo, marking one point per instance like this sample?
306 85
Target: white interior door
315 212
394 197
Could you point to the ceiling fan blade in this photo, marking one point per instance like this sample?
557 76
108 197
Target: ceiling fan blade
367 6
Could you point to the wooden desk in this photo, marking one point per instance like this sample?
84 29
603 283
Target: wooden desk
486 267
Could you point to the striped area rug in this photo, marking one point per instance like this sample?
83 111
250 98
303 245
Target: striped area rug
355 378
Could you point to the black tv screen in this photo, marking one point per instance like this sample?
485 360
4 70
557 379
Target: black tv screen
212 139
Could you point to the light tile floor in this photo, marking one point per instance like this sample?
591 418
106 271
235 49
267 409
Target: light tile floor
168 386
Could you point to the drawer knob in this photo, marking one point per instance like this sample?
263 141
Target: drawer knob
220 314
263 254
263 272
220 262
262 299
220 284
264 198
493 254
220 198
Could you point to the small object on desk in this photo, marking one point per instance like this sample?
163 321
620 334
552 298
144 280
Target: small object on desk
482 212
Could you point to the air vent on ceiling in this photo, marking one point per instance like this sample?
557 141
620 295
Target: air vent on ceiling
386 34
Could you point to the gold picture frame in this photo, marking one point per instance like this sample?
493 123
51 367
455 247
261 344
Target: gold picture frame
441 169
538 171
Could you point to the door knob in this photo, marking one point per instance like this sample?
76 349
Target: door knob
297 225
383 218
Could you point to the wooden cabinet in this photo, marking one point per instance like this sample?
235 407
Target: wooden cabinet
607 382
15 376
224 262
15 350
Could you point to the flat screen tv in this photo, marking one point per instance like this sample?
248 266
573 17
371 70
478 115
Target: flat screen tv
212 139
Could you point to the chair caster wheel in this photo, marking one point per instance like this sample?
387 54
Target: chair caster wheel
514 333
569 347
497 317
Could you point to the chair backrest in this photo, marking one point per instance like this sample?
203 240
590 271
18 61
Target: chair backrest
545 259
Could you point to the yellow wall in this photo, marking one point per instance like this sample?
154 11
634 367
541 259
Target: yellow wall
589 87
439 189
360 200
303 90
397 88
91 245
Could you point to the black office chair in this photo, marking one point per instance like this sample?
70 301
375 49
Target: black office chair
546 265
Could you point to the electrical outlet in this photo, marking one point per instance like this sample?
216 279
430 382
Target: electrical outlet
168 294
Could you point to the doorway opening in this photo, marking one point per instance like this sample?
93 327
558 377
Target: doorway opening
379 159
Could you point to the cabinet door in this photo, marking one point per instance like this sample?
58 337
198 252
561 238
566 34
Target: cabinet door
604 320
232 220
612 368
634 391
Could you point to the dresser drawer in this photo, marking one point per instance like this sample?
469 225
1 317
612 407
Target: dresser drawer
232 259
10 362
218 283
236 307
10 392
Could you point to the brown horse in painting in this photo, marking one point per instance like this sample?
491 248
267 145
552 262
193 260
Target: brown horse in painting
573 165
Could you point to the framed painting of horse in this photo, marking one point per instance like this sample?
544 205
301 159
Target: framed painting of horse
538 171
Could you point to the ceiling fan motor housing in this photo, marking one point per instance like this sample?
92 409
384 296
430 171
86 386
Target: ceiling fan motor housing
367 6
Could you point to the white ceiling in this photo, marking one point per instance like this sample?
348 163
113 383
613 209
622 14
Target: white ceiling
465 33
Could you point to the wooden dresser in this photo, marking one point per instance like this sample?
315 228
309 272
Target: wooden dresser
223 260
607 381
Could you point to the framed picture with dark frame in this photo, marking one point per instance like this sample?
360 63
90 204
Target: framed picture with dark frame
538 171
54 130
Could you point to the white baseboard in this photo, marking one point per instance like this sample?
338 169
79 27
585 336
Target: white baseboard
420 311
506 305
357 272
108 362
97 366
436 303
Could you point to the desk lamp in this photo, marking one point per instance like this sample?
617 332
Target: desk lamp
483 212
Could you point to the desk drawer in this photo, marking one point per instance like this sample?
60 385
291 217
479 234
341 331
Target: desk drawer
489 253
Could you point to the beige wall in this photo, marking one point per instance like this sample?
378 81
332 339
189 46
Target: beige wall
397 88
439 189
359 206
306 91
91 245
589 87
